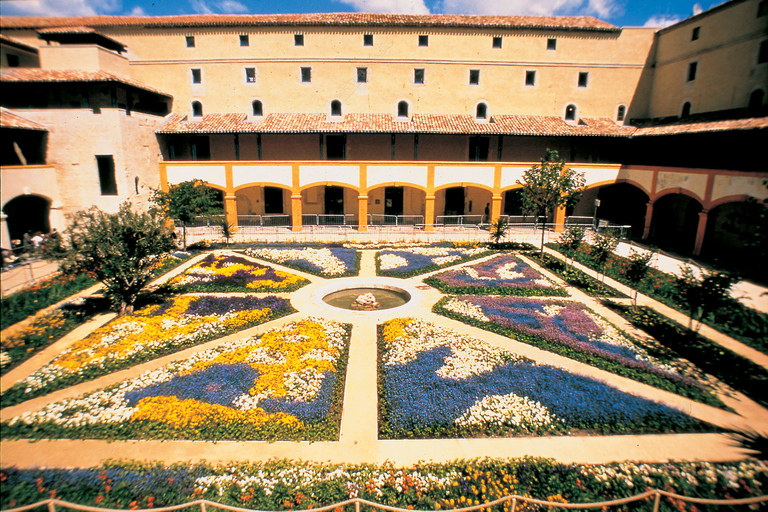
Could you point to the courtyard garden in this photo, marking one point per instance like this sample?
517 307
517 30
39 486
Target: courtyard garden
231 345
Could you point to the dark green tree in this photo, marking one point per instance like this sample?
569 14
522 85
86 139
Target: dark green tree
548 186
498 230
636 270
570 240
187 200
119 249
702 294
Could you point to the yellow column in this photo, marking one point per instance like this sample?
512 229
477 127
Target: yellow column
495 208
230 202
362 213
163 176
700 232
559 219
296 212
429 213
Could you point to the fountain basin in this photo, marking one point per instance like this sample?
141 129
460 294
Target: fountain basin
356 298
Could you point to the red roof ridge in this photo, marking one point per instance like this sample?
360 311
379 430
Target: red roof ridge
71 75
9 119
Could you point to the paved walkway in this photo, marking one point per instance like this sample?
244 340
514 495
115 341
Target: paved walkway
359 425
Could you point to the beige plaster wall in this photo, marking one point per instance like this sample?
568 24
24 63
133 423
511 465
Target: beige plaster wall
83 57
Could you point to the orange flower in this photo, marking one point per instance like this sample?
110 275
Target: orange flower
98 499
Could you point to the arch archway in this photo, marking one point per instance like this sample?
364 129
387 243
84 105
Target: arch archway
737 237
27 213
674 223
623 204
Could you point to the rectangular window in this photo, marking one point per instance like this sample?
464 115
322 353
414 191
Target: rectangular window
306 74
762 9
367 39
762 55
530 78
418 76
551 43
244 40
13 60
692 67
423 40
250 75
474 76
107 180
497 42
190 41
362 75
298 39
197 76
583 78
695 33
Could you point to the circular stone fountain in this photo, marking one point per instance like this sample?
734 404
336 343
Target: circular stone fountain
367 298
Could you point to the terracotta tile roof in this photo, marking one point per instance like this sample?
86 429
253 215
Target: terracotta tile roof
10 120
49 75
683 127
67 30
575 23
18 44
385 123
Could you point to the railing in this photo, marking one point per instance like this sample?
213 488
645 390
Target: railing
585 222
458 220
312 219
248 220
376 219
510 502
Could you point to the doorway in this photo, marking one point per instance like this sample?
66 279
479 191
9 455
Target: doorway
334 200
478 149
273 200
393 201
454 201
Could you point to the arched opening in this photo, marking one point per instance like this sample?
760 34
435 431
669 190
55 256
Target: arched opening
260 205
623 204
570 113
686 109
335 108
756 101
482 111
402 109
257 108
512 207
27 214
674 224
621 112
329 205
197 109
736 238
396 206
462 205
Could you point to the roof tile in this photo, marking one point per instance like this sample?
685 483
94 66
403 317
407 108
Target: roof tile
71 75
10 120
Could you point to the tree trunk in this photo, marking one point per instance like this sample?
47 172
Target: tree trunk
184 235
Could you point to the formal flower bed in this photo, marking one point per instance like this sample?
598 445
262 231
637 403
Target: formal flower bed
228 273
413 261
503 274
285 384
571 329
286 485
325 262
148 333
436 382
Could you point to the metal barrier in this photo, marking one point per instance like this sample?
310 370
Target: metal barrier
312 219
653 496
376 219
275 220
585 222
248 220
458 220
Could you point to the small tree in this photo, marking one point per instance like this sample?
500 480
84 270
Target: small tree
602 247
187 200
702 295
636 270
499 230
118 249
227 229
570 240
548 186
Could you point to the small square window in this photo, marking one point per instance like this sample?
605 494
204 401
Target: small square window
250 75
530 78
418 76
298 39
423 40
190 41
551 43
197 76
244 40
474 76
362 75
695 33
13 60
306 74
497 42
692 68
583 78
367 39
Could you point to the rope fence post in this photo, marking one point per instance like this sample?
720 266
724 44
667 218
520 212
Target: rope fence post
357 505
656 501
51 506
202 506
514 504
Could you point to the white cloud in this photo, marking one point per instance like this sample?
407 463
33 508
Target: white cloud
599 8
218 7
59 7
137 11
661 21
388 6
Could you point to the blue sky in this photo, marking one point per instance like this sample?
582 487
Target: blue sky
624 13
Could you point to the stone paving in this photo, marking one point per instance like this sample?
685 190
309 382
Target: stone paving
359 427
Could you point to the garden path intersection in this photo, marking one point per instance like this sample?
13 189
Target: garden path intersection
359 440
